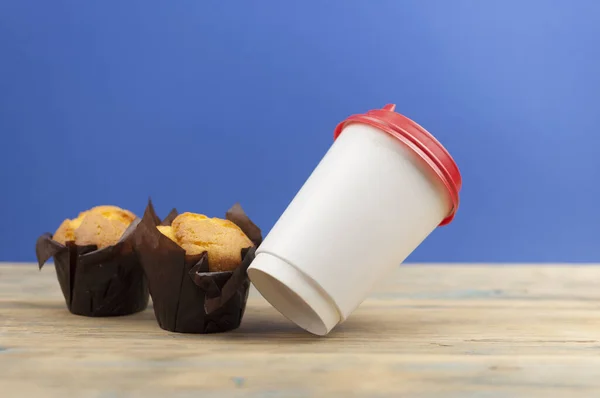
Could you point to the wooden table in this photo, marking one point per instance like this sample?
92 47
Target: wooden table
431 331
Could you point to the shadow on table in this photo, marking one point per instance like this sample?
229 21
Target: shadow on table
259 325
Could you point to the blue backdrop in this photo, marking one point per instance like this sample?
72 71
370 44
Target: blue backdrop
200 104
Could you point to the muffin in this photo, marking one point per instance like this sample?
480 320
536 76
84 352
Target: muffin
222 240
96 265
101 226
66 231
196 268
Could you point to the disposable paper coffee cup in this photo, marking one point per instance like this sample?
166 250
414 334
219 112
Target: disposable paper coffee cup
381 189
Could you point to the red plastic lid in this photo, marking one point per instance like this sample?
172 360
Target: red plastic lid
420 141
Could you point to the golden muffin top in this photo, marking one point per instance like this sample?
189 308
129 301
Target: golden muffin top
101 226
222 239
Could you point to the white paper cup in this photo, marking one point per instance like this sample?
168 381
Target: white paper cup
381 189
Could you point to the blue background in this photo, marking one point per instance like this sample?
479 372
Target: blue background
200 104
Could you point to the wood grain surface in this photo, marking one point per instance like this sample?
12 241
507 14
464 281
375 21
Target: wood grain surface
429 331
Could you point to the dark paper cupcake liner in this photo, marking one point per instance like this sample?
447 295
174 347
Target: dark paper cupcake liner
187 298
98 283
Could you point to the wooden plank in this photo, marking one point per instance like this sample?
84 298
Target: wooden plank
431 330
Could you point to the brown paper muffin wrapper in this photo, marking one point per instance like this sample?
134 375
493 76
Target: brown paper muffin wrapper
187 297
98 282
